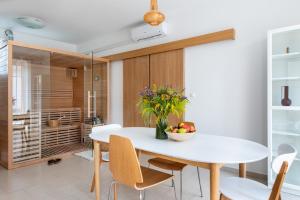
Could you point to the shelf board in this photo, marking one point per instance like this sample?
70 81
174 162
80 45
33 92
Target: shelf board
295 108
285 133
286 56
285 78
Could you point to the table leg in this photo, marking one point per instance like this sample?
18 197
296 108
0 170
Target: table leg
214 181
242 170
97 168
93 181
116 191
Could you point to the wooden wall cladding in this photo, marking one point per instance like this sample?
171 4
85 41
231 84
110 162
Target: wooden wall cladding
78 91
135 79
4 104
61 92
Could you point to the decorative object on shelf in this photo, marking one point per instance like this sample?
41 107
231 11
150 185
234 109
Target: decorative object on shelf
154 17
285 96
161 102
287 50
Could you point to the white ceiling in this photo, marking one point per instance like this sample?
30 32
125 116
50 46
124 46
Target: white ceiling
78 21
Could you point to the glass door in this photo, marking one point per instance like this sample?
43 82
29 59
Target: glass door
95 92
31 76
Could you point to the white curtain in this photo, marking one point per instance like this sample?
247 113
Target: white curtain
21 86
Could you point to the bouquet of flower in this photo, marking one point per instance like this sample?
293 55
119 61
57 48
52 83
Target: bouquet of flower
161 102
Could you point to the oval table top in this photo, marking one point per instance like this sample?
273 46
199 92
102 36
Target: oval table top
200 148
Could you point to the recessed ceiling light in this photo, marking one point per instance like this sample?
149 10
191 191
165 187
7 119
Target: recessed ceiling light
30 22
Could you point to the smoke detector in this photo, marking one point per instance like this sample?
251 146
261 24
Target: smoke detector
30 22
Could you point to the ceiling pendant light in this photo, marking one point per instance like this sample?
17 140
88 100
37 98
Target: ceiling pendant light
154 17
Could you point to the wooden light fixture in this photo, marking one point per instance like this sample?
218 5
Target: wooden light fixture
154 17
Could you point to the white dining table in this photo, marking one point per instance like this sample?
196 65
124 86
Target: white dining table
206 151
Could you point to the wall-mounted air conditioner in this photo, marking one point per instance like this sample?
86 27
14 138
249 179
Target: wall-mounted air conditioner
147 32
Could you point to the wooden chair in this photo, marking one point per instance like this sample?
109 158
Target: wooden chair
125 168
104 147
235 188
174 166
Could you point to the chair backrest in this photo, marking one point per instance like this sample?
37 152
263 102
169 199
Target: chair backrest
280 165
285 152
124 164
107 127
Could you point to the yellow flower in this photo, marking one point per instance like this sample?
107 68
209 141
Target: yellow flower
157 106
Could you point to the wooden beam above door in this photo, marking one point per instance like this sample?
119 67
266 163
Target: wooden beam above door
228 34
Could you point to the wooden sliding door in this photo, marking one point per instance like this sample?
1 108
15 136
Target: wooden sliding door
135 79
166 69
163 69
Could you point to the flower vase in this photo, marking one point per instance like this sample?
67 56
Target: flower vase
286 101
161 126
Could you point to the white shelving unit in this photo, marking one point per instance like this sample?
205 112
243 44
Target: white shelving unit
284 121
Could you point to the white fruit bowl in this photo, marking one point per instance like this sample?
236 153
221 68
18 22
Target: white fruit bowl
180 137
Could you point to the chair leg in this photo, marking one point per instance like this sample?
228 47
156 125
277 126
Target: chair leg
93 180
199 180
180 185
115 191
173 183
141 195
93 184
222 197
110 187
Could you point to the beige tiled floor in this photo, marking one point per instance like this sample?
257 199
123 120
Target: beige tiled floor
70 180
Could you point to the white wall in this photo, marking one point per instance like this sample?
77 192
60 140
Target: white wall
116 92
36 40
229 78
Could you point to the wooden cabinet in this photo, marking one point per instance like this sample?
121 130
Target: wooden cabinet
163 69
135 79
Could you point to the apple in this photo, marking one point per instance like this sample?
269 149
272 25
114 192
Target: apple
182 130
180 125
192 129
175 130
169 129
187 127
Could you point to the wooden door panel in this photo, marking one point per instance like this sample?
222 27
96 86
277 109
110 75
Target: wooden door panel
135 79
166 69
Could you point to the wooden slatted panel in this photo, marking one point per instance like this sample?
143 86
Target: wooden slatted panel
26 137
53 137
68 133
70 115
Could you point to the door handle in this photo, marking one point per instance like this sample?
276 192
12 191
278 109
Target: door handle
89 104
